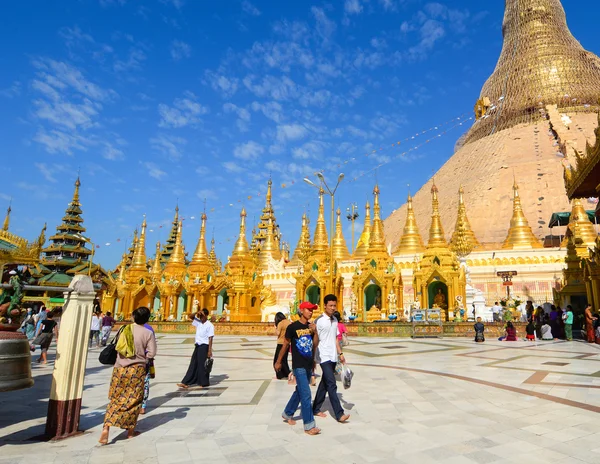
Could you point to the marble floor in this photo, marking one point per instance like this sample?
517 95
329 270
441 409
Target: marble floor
411 401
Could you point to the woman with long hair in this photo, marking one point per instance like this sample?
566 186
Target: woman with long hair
281 324
136 347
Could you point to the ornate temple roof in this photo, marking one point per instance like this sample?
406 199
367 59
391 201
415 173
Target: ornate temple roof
411 241
463 239
377 236
520 236
436 230
362 246
170 243
340 249
320 241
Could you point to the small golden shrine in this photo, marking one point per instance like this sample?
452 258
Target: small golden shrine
376 284
438 276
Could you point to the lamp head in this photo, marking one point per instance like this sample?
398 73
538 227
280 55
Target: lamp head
320 176
340 177
309 182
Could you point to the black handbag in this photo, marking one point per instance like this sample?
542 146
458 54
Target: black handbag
208 364
108 356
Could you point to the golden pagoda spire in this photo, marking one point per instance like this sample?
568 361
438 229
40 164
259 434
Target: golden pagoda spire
362 246
156 270
520 235
581 227
241 245
302 250
212 255
122 268
178 255
269 248
321 241
540 62
377 238
139 253
411 241
340 249
436 230
201 255
463 239
7 219
76 192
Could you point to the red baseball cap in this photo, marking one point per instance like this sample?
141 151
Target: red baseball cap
308 305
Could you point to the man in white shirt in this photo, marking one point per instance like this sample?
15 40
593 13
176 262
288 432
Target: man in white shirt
327 350
205 331
496 311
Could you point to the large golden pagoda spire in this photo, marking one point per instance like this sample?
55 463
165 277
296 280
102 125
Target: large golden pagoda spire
581 227
156 270
436 230
340 249
362 246
178 255
321 242
7 219
201 255
302 250
241 245
520 236
411 241
377 238
212 255
541 64
269 249
138 262
463 239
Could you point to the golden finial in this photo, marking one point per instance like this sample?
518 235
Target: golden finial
302 250
340 249
139 253
436 230
321 241
362 247
377 238
200 254
76 193
156 271
411 241
520 235
7 218
463 239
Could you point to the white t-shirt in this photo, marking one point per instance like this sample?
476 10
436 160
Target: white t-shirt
95 323
203 331
496 309
327 331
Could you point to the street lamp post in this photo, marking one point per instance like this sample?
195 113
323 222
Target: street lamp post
352 216
331 193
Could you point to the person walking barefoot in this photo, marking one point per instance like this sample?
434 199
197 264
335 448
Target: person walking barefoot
205 332
300 336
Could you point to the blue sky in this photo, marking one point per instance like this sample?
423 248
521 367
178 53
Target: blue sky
166 101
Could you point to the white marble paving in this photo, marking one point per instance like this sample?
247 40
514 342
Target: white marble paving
406 406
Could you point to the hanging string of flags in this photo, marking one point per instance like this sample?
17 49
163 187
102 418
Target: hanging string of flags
439 131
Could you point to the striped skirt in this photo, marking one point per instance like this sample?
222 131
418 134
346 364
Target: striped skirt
126 394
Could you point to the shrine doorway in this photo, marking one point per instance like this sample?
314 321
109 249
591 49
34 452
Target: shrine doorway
222 299
156 306
437 293
141 299
313 294
372 296
181 304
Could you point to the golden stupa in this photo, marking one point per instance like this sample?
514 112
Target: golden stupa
541 100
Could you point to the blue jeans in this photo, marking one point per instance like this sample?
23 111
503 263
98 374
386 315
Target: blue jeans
301 396
328 386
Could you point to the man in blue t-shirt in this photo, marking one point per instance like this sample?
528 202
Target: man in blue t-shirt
299 335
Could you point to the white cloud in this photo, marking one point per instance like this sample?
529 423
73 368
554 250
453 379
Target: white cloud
202 170
219 82
276 88
168 145
352 7
56 141
207 194
431 31
290 132
242 113
325 27
271 110
233 167
134 60
180 50
248 151
250 9
388 5
50 171
153 170
111 152
184 112
13 91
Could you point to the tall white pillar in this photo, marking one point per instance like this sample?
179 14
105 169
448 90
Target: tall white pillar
64 407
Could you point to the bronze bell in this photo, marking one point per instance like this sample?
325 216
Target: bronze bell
15 359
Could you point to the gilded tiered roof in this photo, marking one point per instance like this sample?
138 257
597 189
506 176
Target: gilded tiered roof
340 249
463 239
520 235
302 251
541 63
139 262
266 239
362 246
156 271
580 227
240 257
170 243
200 263
411 241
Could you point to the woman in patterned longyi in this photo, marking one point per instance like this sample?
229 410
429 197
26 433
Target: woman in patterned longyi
126 392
